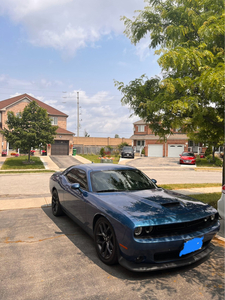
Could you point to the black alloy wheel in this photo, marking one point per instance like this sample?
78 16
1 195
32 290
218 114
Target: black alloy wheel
56 207
105 242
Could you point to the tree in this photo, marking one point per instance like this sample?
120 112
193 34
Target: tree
31 128
86 134
189 37
116 136
121 145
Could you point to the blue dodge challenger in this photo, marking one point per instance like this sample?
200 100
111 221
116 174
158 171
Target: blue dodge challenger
131 219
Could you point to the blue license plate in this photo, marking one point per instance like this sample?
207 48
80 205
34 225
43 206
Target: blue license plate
191 246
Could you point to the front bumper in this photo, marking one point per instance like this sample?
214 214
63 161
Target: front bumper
128 155
162 253
144 267
188 162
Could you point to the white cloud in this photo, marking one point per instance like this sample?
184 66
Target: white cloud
101 114
68 25
142 49
98 98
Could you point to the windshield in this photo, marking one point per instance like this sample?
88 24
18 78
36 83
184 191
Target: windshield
120 180
187 154
127 149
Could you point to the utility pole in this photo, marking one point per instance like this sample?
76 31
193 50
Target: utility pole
78 114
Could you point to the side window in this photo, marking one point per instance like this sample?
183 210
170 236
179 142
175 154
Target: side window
77 176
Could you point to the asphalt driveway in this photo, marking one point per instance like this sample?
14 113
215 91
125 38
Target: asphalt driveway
44 257
64 161
159 162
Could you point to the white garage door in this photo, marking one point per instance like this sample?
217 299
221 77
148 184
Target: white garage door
155 150
175 150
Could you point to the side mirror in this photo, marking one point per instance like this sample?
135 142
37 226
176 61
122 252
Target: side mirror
75 186
154 181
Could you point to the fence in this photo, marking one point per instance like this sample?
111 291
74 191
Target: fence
81 149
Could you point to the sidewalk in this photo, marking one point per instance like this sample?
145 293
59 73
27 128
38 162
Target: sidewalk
37 202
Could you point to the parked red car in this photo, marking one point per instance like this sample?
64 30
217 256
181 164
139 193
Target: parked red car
187 158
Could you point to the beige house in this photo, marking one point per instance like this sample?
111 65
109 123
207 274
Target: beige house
63 142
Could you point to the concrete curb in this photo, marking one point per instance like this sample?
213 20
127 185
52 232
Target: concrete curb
220 238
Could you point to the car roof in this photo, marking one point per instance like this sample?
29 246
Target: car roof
103 167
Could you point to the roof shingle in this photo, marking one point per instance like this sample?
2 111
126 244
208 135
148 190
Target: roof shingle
51 110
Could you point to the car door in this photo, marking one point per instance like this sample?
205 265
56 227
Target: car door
73 199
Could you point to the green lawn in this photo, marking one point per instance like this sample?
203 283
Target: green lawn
95 158
211 199
16 163
188 185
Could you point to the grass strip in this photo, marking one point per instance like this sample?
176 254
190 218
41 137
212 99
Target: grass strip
188 185
29 171
211 198
15 163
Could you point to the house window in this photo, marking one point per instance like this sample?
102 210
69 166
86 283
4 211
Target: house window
54 120
141 128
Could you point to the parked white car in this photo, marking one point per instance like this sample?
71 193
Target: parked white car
221 203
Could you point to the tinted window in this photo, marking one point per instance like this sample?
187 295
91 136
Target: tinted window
127 149
187 154
120 180
77 176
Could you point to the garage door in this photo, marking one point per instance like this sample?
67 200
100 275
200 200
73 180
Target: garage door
175 150
155 150
60 148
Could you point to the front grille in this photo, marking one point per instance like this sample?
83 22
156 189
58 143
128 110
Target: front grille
174 255
179 228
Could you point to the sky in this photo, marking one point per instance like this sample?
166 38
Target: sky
52 49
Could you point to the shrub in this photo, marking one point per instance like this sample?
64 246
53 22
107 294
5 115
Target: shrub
116 153
218 162
208 151
120 146
110 148
102 152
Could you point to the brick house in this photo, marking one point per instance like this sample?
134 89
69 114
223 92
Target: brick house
63 141
143 138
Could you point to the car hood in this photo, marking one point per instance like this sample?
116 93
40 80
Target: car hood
187 157
156 206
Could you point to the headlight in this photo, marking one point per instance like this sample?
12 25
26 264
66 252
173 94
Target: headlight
137 231
212 217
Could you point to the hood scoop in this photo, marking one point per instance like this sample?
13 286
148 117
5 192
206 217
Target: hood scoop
165 202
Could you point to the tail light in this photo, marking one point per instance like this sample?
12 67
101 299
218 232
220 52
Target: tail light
223 189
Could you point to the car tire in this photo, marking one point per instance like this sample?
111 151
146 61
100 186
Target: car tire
105 242
56 206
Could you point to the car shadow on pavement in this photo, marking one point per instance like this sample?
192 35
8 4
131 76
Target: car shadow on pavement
205 277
